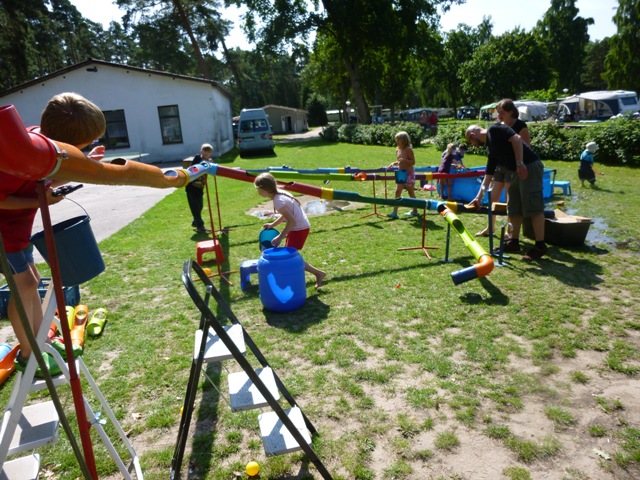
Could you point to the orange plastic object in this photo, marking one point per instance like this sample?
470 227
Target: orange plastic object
79 326
53 329
119 171
32 156
209 246
7 365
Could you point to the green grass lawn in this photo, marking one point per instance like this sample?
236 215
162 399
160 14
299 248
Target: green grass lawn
526 373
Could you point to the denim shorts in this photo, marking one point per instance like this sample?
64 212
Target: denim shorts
20 261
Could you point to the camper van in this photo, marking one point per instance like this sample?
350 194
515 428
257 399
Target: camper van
254 131
598 105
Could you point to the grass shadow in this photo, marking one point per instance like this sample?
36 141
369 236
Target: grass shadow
206 421
430 224
496 297
311 313
258 154
566 268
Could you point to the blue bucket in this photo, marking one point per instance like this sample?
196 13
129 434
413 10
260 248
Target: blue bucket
401 176
281 279
265 237
79 257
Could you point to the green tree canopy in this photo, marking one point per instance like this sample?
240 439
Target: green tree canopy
356 26
506 66
38 37
622 65
565 36
595 54
457 48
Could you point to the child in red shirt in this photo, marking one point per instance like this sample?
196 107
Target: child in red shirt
67 118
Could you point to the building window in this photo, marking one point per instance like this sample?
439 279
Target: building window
116 135
170 124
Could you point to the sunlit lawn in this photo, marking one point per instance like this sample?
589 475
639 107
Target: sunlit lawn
390 361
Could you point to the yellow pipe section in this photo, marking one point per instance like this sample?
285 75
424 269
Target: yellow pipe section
484 264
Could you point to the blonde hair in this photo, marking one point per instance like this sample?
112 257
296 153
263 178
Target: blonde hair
206 148
450 148
268 183
403 140
71 118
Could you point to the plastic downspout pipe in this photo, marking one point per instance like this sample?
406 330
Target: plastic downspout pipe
196 171
32 156
485 262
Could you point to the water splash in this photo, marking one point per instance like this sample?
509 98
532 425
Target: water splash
313 207
322 207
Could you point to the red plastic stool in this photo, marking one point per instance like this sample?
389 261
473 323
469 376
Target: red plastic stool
209 246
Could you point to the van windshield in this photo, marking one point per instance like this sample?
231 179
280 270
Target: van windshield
258 125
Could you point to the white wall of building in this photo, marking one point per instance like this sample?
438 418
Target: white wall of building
204 109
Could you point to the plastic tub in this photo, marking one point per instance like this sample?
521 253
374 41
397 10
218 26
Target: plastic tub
281 279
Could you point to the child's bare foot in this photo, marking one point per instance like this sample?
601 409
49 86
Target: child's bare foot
320 278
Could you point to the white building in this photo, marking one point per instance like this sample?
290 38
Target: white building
165 116
286 119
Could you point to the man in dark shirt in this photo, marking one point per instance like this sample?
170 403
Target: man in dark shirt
506 148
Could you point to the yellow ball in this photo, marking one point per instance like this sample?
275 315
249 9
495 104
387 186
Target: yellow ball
252 469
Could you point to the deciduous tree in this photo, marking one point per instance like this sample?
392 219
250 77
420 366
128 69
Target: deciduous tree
622 65
457 48
595 54
356 26
506 66
565 35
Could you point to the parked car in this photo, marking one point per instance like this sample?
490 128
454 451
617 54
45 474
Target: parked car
467 112
254 132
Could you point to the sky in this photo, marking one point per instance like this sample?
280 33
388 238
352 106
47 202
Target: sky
505 14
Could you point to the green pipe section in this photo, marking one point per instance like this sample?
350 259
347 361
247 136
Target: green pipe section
417 203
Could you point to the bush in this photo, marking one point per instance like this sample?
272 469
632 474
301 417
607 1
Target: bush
379 134
453 133
550 141
618 139
330 133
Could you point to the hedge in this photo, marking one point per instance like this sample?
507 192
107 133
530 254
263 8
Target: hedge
379 134
618 139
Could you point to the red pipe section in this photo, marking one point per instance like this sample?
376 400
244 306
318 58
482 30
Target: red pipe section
74 378
24 154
